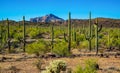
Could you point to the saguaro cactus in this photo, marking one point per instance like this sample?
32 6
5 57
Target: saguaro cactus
8 32
89 36
52 42
108 40
24 39
69 32
74 33
1 30
96 34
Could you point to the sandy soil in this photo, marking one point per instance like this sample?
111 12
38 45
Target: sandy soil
107 65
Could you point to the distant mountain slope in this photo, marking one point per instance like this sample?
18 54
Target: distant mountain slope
47 18
106 22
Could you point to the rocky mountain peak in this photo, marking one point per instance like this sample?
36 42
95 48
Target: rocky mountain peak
47 18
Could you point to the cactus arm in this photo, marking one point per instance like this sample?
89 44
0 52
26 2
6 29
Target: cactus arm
100 28
89 36
96 34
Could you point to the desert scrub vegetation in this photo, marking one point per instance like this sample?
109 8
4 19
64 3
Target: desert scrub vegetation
61 48
40 47
80 37
39 64
91 66
56 66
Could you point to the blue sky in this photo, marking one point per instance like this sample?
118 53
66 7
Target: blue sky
15 9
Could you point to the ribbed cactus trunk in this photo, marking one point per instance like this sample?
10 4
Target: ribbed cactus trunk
64 36
69 32
52 42
1 28
96 35
24 39
119 38
96 42
90 35
83 29
108 40
8 33
74 33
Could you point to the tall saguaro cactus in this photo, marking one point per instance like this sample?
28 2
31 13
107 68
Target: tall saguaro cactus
24 40
69 32
97 30
108 40
52 42
74 33
89 36
1 31
8 32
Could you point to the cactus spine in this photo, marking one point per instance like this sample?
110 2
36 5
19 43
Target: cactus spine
24 40
96 34
69 31
52 42
8 32
89 37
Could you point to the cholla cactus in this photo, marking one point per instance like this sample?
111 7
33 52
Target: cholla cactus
56 66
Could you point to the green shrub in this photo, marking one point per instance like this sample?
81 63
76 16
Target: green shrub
91 66
83 44
61 48
33 32
40 47
79 69
73 44
18 36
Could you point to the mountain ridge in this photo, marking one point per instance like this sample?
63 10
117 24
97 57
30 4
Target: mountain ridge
47 18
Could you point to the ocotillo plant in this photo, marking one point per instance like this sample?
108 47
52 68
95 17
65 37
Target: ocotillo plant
24 39
89 36
8 33
69 32
96 34
52 42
